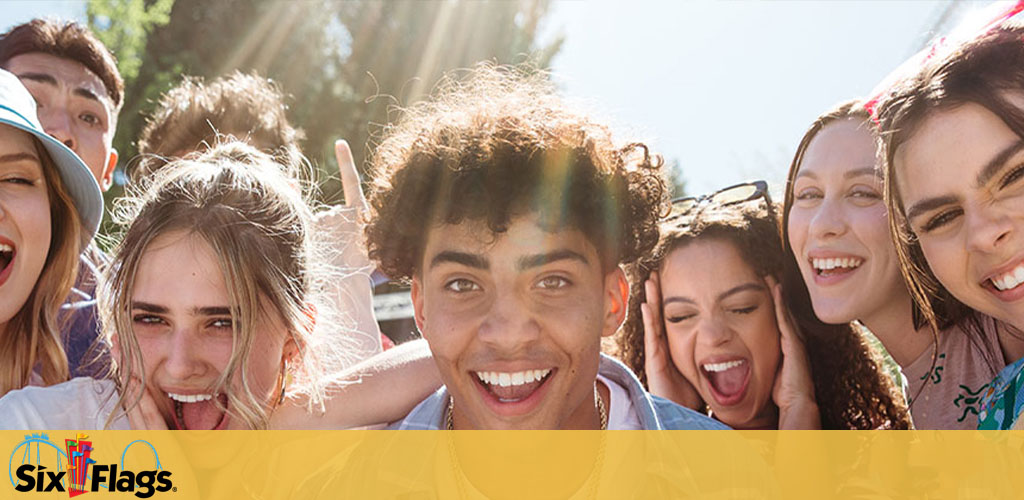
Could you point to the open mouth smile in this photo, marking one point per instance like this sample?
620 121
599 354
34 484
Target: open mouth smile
1006 285
199 411
510 394
828 270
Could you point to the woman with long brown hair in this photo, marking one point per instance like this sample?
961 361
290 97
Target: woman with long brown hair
954 157
50 207
835 229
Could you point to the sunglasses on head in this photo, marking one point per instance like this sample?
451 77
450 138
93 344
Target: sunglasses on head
732 195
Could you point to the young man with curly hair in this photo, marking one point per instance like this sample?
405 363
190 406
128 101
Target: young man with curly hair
511 213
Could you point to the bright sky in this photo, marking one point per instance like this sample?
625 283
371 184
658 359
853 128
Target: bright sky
725 88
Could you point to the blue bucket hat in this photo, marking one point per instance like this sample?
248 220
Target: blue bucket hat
18 109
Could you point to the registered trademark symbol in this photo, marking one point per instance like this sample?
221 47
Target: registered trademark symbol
174 488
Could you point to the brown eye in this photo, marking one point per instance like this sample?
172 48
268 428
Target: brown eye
941 219
461 285
1011 177
552 282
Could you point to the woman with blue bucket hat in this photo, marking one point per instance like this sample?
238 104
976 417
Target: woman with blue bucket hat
50 208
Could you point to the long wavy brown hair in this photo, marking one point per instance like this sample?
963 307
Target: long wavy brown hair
986 71
851 390
32 338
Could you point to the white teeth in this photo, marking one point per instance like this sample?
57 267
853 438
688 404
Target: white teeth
1009 280
827 264
721 367
513 378
189 398
6 248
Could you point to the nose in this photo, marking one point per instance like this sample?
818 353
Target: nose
827 221
712 331
57 123
986 228
182 361
509 327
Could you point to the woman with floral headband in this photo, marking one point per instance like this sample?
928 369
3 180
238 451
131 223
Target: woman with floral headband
710 325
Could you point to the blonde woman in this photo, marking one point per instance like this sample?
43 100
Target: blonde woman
213 306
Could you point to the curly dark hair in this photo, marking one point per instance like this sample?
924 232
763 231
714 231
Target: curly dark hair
194 115
851 390
499 144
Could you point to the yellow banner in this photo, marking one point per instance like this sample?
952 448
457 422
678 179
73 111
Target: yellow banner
183 465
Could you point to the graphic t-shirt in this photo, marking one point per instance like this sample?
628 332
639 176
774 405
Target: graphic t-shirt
948 395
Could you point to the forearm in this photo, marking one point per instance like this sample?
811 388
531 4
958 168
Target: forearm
381 389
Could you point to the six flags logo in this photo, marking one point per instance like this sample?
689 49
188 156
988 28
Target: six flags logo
76 478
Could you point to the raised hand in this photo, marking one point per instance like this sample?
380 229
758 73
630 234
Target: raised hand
353 289
793 392
663 378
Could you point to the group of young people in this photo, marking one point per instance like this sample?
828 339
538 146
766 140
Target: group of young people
555 284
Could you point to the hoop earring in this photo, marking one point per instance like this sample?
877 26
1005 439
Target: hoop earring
284 381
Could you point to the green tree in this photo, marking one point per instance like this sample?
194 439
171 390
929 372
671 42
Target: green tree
346 64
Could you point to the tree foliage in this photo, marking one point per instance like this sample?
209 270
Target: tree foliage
345 64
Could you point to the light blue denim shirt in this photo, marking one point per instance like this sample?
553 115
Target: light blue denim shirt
655 413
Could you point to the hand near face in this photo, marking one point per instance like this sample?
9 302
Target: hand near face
663 378
144 415
793 392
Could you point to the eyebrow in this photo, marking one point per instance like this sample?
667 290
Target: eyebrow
857 172
51 80
198 311
997 163
39 77
531 261
929 204
722 296
13 157
466 259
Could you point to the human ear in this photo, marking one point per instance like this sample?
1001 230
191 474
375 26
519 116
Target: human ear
616 290
107 178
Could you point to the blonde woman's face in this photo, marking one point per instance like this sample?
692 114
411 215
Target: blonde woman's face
182 319
24 220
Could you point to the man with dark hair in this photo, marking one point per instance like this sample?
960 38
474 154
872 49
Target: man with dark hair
192 116
75 82
511 214
79 92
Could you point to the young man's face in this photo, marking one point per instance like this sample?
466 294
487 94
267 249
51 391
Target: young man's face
73 107
515 321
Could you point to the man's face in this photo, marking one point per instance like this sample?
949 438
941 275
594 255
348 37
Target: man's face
515 321
73 107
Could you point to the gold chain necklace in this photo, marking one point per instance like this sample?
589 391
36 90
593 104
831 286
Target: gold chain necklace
602 411
593 479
